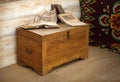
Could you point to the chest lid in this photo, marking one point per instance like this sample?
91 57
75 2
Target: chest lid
62 27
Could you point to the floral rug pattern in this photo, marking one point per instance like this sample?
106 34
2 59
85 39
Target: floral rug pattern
103 17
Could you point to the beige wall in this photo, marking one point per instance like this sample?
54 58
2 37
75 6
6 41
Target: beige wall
14 14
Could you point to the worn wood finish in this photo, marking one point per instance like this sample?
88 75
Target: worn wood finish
7 42
7 57
44 49
7 51
17 13
8 28
6 1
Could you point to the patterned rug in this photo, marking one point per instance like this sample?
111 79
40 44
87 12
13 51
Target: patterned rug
103 17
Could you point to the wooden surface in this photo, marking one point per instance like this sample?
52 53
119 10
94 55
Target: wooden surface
101 66
7 1
45 32
17 13
44 49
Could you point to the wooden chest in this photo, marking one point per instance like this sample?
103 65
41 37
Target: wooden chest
44 49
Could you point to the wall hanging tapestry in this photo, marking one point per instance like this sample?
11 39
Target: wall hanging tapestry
103 17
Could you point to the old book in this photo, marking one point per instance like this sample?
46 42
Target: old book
70 20
46 19
40 25
59 10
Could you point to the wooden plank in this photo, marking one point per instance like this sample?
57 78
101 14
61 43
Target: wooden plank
18 9
7 43
9 27
7 51
6 1
7 60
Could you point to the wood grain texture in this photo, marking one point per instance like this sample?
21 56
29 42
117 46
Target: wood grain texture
17 13
18 9
6 43
44 52
8 27
6 1
7 58
7 51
